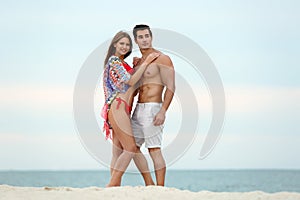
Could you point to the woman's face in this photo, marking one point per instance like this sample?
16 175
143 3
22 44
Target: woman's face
122 47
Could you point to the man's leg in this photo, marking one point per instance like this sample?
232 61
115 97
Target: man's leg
142 164
139 158
159 165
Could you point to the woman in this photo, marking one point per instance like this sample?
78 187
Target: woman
118 90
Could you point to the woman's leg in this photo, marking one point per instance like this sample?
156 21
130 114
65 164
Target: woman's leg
117 149
121 125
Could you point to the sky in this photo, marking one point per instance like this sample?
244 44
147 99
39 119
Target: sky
254 45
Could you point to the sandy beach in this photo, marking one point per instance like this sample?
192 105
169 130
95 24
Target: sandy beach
128 192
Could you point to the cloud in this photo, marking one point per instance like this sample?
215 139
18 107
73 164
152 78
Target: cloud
244 99
233 151
260 99
244 151
43 151
41 97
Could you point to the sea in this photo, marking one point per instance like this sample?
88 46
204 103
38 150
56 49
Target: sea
270 181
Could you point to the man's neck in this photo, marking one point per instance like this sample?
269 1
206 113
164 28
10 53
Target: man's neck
146 52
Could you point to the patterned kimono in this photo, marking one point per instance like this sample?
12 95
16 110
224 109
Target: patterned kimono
115 76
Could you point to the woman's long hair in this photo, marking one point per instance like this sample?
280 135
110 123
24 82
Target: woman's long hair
112 50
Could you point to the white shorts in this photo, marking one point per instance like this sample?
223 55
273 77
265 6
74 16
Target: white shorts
142 125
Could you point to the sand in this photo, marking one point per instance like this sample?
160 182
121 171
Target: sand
128 192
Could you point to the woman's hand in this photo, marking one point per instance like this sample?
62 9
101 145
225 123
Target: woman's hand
136 60
151 57
141 68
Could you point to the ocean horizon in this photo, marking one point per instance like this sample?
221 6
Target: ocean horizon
215 180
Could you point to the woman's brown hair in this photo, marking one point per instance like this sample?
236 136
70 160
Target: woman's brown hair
112 50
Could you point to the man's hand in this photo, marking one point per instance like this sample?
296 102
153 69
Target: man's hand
159 118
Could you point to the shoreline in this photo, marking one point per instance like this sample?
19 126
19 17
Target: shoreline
133 192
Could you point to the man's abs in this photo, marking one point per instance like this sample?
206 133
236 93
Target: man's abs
150 93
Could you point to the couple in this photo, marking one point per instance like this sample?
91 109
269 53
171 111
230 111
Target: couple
150 75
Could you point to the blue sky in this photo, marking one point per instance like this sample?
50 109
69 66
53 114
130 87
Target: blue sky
255 46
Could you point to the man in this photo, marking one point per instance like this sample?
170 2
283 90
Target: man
149 114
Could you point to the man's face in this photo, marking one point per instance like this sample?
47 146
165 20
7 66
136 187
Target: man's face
143 39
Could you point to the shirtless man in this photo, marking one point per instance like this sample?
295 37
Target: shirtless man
149 115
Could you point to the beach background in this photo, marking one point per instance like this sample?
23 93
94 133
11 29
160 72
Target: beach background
254 45
269 181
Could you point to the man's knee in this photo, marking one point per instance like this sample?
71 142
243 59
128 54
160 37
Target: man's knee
154 151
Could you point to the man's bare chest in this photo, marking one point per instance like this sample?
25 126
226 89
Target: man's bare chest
152 71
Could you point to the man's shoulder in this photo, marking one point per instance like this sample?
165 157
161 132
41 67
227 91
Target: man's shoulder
164 60
162 55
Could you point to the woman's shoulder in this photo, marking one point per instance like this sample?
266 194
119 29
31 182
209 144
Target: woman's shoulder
114 58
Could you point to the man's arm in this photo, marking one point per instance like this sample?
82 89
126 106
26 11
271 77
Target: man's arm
167 74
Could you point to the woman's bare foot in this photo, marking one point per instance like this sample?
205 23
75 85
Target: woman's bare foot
109 185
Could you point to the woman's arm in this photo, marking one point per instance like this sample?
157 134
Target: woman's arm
140 70
121 77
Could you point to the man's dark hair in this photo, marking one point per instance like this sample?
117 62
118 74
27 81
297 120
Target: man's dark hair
141 27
